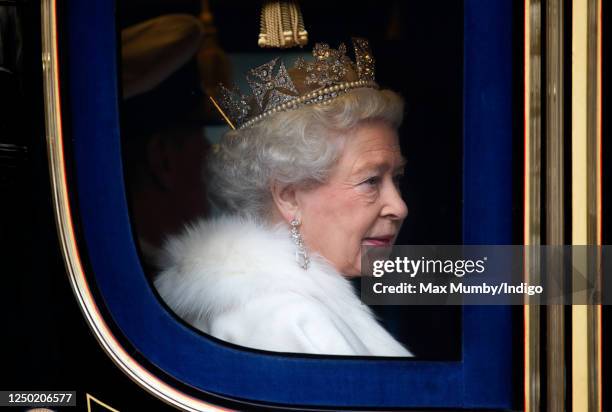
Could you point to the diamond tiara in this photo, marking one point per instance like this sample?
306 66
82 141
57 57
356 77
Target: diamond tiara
275 89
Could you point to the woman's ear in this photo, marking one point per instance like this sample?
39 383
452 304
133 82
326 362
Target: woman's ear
285 200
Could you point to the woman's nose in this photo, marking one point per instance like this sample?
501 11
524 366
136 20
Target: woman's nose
394 205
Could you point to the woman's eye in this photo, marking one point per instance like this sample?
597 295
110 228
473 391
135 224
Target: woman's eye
372 181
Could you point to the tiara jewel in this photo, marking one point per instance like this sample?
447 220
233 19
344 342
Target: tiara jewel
234 103
271 88
274 88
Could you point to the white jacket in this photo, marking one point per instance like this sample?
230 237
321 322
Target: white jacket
238 281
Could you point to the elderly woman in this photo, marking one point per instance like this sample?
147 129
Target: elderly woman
307 179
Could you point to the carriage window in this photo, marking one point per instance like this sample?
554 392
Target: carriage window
250 209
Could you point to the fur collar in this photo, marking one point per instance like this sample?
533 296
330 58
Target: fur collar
221 263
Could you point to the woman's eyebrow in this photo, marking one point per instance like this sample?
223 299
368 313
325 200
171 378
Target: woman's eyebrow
371 166
379 166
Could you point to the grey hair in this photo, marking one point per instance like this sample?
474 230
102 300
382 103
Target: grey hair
297 147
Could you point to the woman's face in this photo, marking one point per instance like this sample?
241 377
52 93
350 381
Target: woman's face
361 204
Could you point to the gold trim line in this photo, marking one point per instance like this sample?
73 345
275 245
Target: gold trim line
66 232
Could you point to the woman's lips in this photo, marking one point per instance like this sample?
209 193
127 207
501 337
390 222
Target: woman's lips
378 241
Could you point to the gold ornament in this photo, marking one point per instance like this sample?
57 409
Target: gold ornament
282 25
275 88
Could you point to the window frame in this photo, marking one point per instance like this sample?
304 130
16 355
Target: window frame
122 303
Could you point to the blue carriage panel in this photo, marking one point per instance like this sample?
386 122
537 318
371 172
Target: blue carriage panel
481 378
